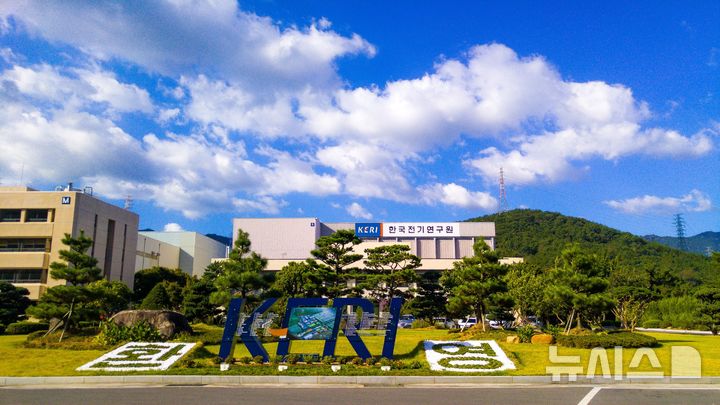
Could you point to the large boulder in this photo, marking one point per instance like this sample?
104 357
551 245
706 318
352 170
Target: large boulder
543 338
168 323
513 339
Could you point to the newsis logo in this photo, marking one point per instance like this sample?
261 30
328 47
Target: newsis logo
368 230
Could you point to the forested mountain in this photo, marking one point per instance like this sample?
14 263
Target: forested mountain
539 236
699 243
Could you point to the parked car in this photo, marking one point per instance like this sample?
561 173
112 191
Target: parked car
406 321
467 323
444 322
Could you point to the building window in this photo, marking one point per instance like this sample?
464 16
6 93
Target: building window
9 215
24 245
36 216
20 276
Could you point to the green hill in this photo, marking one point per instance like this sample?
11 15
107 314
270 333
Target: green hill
539 236
699 243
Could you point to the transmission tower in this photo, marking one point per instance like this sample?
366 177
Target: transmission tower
503 197
679 223
128 202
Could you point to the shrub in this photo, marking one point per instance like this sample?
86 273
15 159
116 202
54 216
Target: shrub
386 362
525 333
308 359
276 359
356 361
112 333
624 339
651 323
259 359
370 361
328 360
415 364
580 332
553 330
35 335
244 360
23 328
677 312
420 323
292 358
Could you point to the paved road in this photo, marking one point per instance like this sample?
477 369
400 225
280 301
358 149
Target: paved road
356 396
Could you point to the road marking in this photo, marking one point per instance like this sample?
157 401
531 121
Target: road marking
590 395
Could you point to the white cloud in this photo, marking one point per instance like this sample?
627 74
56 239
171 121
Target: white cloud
457 196
77 87
177 37
695 201
358 211
368 170
173 227
265 204
239 77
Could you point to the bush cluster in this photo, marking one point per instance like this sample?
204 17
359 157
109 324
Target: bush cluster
112 334
624 339
525 333
420 323
24 328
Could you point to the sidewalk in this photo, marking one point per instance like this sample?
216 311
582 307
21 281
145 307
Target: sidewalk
677 331
359 381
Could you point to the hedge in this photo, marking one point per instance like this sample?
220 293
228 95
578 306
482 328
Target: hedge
624 339
23 328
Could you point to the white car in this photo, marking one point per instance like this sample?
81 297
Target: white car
467 323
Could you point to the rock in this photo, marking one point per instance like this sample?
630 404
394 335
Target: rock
543 338
513 339
168 323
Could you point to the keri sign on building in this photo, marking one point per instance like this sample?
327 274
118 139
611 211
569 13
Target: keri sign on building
438 244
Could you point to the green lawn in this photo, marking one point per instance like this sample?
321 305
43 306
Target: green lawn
529 359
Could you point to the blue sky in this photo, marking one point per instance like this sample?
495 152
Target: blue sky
367 111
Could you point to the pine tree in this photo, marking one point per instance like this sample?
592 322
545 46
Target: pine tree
241 272
79 267
157 298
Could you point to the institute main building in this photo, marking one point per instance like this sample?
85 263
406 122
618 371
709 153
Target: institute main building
438 244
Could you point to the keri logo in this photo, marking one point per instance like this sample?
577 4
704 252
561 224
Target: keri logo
65 200
373 230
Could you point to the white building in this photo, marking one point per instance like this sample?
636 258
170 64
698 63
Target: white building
189 251
438 244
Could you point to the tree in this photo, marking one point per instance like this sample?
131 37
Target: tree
709 307
526 284
476 284
157 298
431 297
79 267
632 294
108 297
299 279
147 279
578 285
196 300
241 272
336 253
13 302
387 268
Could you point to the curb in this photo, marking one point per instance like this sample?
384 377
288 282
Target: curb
392 381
